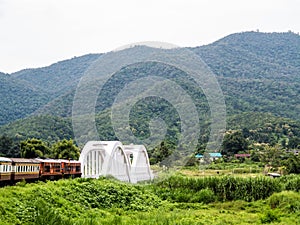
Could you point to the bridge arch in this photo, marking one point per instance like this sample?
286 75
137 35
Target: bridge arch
103 158
139 163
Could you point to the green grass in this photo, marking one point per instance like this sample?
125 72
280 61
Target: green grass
174 200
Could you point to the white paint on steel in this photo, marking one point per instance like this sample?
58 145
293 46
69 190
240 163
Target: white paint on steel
110 158
139 163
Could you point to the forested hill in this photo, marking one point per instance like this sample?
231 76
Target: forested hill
254 54
18 98
258 72
24 92
58 77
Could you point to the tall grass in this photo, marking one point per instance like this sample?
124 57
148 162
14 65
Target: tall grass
225 188
104 201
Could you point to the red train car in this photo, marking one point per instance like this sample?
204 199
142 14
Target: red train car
50 169
13 170
71 168
5 169
25 169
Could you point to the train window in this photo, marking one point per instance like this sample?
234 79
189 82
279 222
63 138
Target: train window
1 169
57 167
47 168
77 168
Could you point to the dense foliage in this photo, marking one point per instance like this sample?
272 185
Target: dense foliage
223 188
46 128
175 200
257 71
18 99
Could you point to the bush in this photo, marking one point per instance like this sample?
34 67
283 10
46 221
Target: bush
269 217
292 183
286 200
205 195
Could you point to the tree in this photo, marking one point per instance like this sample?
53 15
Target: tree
8 147
234 142
32 148
294 142
161 152
65 149
293 164
272 156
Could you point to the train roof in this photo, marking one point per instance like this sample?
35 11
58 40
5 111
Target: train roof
57 161
23 160
4 159
49 160
69 161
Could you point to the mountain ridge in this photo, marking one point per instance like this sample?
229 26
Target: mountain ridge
253 78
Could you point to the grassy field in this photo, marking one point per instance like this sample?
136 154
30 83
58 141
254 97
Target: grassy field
173 199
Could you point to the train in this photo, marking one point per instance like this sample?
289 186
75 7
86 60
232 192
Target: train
13 170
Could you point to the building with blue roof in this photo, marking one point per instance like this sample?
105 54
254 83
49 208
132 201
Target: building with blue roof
213 156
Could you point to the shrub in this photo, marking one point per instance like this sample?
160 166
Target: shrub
292 183
286 200
225 188
269 217
204 195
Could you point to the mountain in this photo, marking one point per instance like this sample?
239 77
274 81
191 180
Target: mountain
18 99
257 72
58 77
262 69
45 127
25 92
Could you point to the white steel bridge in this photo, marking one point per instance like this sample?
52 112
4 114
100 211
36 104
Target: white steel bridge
124 162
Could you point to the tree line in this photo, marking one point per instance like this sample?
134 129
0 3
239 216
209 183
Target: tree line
36 148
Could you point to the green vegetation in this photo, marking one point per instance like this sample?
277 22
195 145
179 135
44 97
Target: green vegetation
44 127
18 99
33 148
258 72
65 149
175 200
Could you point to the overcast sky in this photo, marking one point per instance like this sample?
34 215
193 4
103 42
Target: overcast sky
37 33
